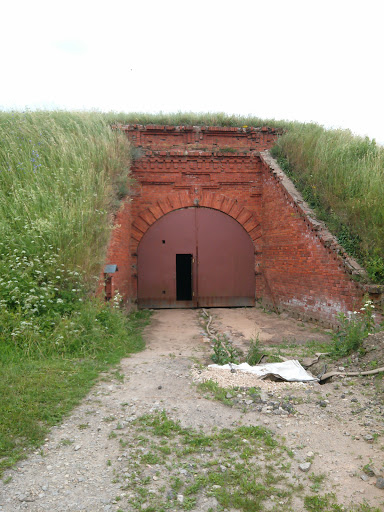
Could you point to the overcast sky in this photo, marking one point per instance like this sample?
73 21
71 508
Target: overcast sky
283 59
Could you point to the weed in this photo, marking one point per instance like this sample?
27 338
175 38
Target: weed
216 391
341 176
66 442
317 481
118 376
224 352
317 503
161 424
254 353
353 330
151 458
109 419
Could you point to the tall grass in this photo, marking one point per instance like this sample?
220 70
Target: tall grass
61 176
342 176
194 119
58 177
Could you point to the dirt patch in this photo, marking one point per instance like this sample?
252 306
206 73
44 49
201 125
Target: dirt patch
147 438
271 328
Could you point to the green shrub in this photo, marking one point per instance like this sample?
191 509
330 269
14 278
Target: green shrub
224 352
353 330
254 353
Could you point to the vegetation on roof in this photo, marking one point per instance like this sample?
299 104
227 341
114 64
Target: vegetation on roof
192 119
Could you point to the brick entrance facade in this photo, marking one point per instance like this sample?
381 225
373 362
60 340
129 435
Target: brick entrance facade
298 265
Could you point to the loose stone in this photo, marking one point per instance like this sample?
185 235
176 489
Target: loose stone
305 467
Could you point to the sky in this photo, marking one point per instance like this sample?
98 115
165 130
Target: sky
282 59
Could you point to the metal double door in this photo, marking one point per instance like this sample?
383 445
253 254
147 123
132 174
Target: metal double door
196 257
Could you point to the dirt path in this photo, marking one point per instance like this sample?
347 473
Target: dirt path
107 457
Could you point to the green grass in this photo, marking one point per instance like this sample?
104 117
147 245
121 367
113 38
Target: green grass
216 392
62 176
342 178
255 351
38 392
327 503
244 468
193 119
231 473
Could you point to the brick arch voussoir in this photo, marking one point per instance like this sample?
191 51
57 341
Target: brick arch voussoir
184 199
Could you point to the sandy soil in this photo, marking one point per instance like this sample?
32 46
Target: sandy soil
248 323
339 424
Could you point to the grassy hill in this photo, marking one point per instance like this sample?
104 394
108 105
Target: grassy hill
62 175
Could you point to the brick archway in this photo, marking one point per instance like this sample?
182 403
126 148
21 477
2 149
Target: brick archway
145 218
299 266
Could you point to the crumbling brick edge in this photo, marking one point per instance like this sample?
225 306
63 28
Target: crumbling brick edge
350 266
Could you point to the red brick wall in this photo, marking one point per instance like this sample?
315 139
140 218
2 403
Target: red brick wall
302 273
298 264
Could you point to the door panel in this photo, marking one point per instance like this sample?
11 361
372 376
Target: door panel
222 260
226 274
175 233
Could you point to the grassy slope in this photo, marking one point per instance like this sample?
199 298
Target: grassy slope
61 175
59 172
342 177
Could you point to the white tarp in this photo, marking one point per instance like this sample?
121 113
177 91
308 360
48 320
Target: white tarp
291 371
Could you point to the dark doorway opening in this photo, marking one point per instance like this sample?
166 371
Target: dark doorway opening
183 276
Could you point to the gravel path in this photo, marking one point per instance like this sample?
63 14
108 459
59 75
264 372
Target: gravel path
81 464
